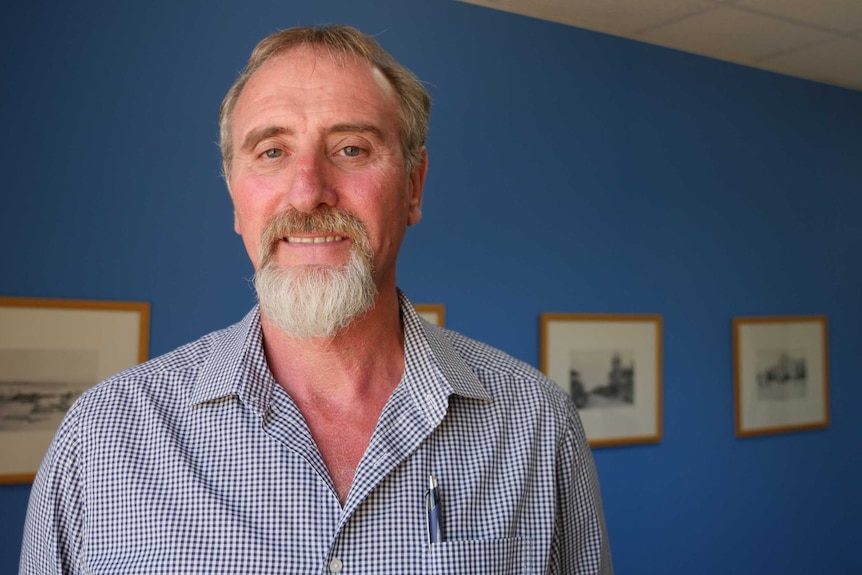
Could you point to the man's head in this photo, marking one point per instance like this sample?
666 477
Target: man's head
323 141
339 42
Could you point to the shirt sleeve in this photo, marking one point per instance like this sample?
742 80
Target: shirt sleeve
580 545
53 531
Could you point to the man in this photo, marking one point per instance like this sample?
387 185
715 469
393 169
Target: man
332 429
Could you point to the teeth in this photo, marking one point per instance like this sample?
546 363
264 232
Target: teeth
314 240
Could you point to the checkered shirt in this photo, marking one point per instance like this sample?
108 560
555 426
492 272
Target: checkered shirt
198 462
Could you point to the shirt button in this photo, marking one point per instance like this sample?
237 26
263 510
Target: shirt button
336 565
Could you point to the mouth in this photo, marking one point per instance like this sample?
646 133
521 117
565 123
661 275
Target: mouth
312 239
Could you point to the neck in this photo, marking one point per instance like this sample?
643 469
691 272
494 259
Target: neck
364 361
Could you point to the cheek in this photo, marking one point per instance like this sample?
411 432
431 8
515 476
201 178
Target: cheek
254 201
390 219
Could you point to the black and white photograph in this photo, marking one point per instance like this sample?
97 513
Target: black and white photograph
781 376
602 378
51 351
38 386
610 365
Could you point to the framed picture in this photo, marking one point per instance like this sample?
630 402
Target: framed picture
611 366
432 312
50 352
781 374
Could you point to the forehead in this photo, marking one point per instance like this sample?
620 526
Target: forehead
311 78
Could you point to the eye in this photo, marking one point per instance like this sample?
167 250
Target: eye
352 151
272 153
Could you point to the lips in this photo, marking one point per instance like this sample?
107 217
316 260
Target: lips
322 227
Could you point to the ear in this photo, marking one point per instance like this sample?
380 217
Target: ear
416 184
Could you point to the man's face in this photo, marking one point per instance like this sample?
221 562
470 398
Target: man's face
310 134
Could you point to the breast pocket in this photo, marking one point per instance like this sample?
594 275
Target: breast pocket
498 556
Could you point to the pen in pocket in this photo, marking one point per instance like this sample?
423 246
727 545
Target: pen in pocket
434 512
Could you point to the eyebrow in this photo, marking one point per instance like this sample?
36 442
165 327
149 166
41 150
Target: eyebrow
260 134
357 129
255 136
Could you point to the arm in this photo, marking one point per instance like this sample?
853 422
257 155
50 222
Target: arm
53 532
580 544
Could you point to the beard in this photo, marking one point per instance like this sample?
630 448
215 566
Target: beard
315 300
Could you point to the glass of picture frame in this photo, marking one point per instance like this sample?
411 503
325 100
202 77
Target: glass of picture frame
611 366
781 376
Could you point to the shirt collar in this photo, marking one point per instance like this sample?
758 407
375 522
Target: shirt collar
429 351
236 364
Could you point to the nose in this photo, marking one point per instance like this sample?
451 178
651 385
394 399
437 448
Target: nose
311 185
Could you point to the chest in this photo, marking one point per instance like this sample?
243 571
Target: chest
342 432
341 443
229 495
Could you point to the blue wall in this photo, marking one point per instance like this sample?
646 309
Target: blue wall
570 172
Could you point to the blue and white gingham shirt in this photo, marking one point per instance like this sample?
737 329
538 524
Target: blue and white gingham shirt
198 462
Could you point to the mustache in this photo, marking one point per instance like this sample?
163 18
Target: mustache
325 220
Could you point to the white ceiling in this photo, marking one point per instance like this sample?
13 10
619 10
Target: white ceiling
819 40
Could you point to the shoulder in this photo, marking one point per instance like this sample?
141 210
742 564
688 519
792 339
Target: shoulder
491 361
180 362
135 401
513 383
164 380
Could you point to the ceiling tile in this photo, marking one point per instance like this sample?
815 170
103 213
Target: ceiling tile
619 17
735 35
838 62
815 39
838 15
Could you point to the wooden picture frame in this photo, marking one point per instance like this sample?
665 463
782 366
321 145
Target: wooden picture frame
52 350
611 366
781 374
433 312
